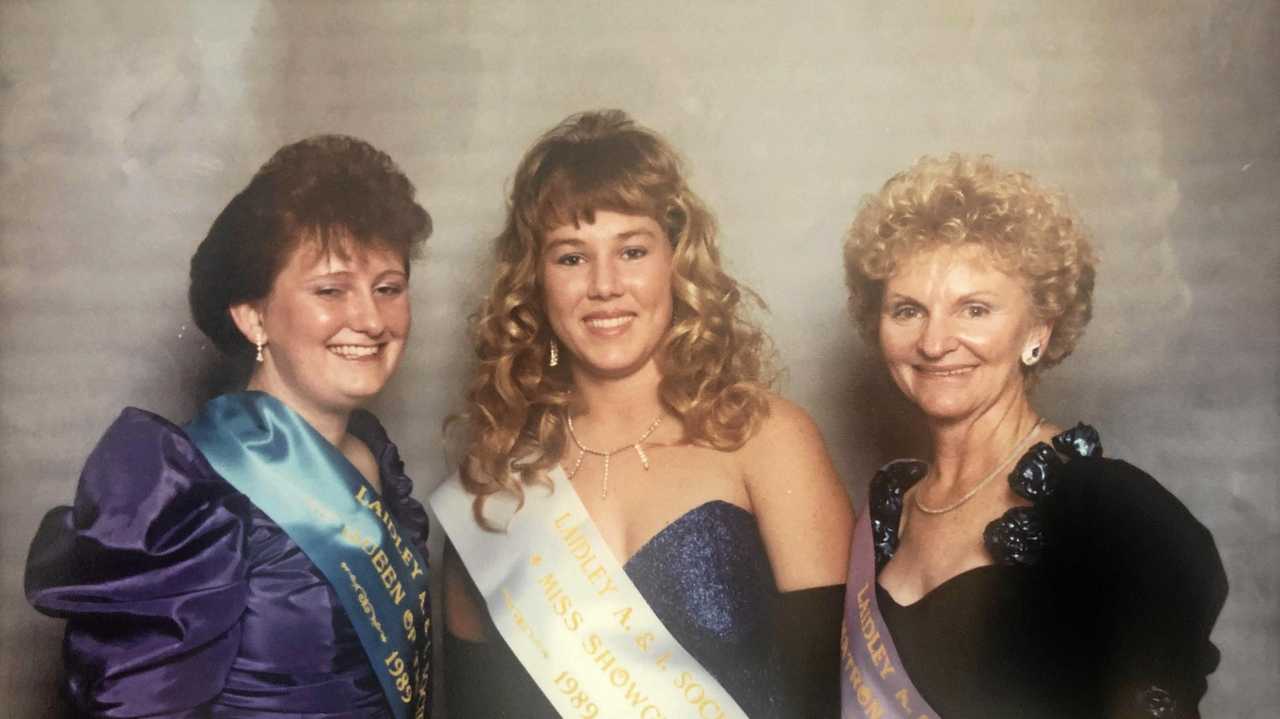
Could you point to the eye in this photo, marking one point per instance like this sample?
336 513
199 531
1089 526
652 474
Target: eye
975 310
570 260
634 253
905 312
390 289
327 291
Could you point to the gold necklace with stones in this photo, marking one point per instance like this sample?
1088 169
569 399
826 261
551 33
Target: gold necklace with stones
583 451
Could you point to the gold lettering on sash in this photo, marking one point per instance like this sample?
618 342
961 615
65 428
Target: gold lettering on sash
643 640
624 617
410 680
871 634
402 551
580 573
365 605
579 546
867 701
693 693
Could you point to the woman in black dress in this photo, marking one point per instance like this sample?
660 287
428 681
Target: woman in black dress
1018 573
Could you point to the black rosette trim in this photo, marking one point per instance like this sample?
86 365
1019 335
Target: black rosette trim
885 503
1156 702
1079 441
1015 538
1037 474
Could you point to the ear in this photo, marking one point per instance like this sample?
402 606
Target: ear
248 319
1037 343
1042 334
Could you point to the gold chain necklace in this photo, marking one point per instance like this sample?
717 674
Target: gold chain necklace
1017 450
583 451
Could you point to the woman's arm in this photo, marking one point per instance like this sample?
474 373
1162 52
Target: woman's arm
804 512
148 570
1126 538
806 521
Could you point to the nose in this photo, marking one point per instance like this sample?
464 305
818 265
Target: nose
604 279
937 338
364 315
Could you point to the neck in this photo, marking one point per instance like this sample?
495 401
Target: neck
331 424
966 450
622 405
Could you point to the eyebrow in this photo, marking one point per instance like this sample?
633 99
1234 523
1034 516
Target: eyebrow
638 232
572 241
979 295
348 273
620 237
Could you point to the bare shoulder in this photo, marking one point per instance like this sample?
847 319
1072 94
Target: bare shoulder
788 434
802 507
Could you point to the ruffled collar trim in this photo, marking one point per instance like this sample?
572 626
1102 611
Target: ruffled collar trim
397 487
1017 537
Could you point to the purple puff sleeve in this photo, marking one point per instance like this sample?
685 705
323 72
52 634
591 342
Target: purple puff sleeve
148 569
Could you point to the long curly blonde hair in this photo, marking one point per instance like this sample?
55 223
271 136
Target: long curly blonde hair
1030 231
715 363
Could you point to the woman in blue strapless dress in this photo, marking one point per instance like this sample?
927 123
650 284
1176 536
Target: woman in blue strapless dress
187 593
615 355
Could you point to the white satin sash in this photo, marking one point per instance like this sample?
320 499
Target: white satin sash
570 613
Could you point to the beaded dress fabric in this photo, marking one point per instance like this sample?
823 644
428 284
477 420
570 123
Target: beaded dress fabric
183 599
1099 601
706 576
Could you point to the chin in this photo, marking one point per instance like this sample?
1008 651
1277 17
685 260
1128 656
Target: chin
612 364
942 409
356 394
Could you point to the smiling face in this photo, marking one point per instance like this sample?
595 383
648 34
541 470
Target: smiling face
334 323
953 329
607 290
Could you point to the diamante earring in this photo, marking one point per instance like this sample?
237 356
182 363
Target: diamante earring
554 358
1031 356
259 344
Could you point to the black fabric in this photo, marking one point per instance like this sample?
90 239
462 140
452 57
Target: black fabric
807 633
1111 619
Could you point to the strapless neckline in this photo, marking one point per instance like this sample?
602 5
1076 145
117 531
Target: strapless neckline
708 507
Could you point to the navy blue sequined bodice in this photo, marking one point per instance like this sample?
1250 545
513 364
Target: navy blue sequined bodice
707 577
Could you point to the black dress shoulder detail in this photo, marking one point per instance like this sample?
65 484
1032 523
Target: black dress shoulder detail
1100 602
884 501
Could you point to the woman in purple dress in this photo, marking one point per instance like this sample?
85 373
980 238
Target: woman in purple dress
265 559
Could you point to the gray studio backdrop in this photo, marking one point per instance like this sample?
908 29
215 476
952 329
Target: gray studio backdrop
126 126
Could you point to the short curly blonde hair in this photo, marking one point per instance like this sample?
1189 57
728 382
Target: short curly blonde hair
715 363
1030 231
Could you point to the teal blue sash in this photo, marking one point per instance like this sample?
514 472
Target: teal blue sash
304 484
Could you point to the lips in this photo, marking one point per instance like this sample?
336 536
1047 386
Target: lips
607 322
355 352
943 372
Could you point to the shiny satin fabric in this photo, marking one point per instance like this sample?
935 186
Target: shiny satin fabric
183 599
289 471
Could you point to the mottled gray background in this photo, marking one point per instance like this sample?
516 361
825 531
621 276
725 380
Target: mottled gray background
126 126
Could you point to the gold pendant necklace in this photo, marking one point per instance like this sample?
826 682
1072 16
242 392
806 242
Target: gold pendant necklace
583 451
1017 450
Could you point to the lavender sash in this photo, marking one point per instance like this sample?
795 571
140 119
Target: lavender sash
874 685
